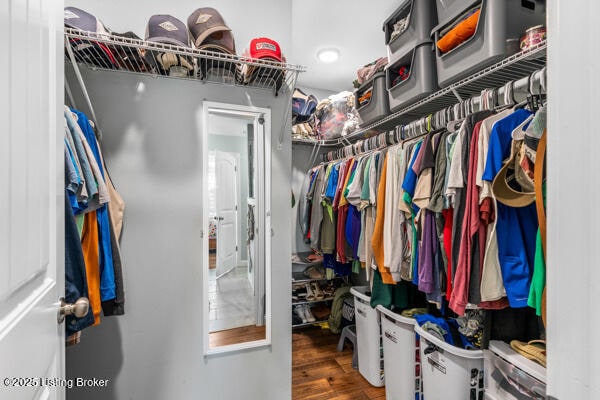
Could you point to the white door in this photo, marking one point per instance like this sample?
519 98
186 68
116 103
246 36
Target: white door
226 211
31 199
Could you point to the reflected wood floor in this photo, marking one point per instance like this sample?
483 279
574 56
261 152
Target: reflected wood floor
236 335
319 372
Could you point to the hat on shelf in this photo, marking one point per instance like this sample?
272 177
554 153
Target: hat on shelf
167 29
82 20
265 48
89 51
210 32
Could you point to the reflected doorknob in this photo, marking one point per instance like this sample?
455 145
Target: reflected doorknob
79 309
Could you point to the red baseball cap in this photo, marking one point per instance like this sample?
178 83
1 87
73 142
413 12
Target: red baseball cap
265 48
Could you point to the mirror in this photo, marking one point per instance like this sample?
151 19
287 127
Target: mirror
236 216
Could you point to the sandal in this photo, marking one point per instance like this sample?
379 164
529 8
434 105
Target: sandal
310 295
328 290
317 290
534 350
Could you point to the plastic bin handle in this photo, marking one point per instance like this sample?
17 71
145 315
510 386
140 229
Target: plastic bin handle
431 349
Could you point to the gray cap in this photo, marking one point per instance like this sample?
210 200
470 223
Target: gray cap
78 19
167 29
208 27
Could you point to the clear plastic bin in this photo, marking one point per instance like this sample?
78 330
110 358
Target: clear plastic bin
375 107
421 80
499 21
510 376
368 337
421 18
400 356
449 372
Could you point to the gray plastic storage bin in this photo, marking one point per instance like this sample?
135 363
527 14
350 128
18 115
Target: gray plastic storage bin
421 81
499 20
450 9
378 105
422 18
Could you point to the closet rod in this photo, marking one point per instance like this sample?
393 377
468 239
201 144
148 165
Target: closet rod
84 89
533 84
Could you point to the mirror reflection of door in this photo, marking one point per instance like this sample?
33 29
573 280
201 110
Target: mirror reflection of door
235 294
226 219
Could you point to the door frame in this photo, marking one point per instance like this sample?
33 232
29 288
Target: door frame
262 143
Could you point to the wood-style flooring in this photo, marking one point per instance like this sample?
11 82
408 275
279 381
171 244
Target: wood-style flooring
319 372
236 335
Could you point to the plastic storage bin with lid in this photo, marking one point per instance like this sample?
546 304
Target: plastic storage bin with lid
498 22
412 77
408 26
400 356
368 337
449 372
510 376
371 99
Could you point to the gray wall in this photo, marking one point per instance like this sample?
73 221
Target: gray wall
152 149
239 145
320 94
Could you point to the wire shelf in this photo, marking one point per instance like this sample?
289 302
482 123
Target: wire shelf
119 53
516 66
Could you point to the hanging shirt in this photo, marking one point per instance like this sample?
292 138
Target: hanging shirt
455 175
424 186
82 193
492 286
88 175
76 285
391 219
107 275
377 242
316 213
342 247
515 227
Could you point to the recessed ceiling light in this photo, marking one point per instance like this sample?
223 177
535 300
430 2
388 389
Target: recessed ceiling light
328 55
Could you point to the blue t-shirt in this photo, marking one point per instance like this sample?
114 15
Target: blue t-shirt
516 228
332 182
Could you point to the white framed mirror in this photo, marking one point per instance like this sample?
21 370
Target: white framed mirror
236 246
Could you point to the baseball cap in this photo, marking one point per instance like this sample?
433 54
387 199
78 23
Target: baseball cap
511 186
209 30
79 19
219 41
167 29
265 48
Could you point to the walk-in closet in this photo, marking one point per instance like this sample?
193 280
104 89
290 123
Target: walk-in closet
298 200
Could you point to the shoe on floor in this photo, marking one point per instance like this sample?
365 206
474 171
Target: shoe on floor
308 315
299 311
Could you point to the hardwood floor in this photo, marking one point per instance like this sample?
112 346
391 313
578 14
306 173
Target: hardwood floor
319 372
236 335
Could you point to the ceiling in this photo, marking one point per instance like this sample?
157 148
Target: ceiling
355 27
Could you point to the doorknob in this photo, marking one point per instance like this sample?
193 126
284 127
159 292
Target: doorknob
79 309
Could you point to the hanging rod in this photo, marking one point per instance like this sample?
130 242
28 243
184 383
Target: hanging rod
534 84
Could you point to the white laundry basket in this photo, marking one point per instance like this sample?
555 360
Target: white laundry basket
449 372
400 356
368 337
